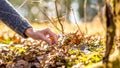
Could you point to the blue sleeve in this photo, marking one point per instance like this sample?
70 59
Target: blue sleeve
12 18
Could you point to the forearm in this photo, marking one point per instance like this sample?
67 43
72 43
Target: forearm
13 19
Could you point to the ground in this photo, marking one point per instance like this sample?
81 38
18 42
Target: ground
75 50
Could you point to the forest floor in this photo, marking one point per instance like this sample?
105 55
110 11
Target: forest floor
75 50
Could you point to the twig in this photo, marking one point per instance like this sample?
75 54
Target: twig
85 15
58 17
22 4
76 22
50 20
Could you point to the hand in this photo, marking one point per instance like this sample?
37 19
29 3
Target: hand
42 35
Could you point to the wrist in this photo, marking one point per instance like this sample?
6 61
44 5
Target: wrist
29 32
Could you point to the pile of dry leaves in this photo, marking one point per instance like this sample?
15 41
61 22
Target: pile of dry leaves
73 50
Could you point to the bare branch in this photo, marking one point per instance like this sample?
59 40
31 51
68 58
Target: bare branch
85 15
50 20
76 22
22 4
58 17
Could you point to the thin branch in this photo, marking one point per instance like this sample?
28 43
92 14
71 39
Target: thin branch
76 22
58 17
85 15
50 20
22 4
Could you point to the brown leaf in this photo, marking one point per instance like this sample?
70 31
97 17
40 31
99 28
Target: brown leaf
21 64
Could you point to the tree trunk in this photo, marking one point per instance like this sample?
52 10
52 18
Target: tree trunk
110 33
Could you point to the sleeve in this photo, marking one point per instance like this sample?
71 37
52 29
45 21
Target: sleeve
12 18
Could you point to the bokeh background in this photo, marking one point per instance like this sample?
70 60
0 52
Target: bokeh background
80 49
31 9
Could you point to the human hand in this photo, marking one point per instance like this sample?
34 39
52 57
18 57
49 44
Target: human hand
45 34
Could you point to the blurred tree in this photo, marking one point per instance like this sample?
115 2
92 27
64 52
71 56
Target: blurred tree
64 8
30 9
81 8
33 8
32 13
110 33
93 7
112 18
28 6
68 7
100 9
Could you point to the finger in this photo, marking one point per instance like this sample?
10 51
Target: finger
53 37
45 39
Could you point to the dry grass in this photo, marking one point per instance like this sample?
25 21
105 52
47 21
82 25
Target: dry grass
92 27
